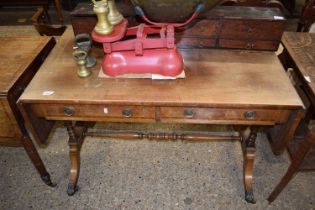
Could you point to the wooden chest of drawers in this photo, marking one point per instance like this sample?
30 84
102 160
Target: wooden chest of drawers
252 28
17 69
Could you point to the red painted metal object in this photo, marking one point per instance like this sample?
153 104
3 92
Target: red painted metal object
144 49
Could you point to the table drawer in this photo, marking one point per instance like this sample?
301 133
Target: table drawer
103 112
203 27
248 45
213 115
192 42
251 29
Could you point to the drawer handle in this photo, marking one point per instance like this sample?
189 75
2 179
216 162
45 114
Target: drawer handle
127 113
249 30
189 113
250 115
250 46
68 111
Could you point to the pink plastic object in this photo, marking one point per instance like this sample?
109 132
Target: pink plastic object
144 55
143 50
166 62
151 50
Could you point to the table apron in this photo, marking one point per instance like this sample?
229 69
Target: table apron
167 114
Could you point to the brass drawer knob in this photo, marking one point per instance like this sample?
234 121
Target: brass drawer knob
250 46
127 113
250 115
189 113
68 111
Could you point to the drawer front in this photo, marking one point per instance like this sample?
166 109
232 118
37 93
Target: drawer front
249 29
95 112
201 28
213 115
248 45
195 43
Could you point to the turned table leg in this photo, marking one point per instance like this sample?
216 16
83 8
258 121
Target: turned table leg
76 137
295 164
249 157
74 152
36 160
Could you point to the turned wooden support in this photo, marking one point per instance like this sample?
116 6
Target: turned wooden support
76 138
161 136
249 149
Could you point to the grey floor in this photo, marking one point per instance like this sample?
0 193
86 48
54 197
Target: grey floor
120 174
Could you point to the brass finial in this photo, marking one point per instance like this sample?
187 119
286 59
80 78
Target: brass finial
114 15
101 9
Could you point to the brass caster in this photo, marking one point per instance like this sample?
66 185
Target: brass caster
249 197
72 189
48 181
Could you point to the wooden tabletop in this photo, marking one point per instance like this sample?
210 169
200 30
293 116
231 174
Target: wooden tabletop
213 78
301 48
16 55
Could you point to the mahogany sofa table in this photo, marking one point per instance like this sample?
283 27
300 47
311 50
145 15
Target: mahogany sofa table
246 89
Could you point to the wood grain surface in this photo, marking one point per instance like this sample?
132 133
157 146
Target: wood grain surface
16 55
213 78
301 48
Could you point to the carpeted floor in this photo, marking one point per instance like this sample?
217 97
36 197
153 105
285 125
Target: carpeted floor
117 174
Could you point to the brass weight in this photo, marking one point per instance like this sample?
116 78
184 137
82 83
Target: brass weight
101 9
114 16
80 58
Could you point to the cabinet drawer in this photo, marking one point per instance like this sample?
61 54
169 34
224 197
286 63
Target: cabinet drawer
201 28
94 112
248 45
213 115
251 29
195 43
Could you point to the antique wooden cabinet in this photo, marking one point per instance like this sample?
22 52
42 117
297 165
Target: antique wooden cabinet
20 59
252 28
235 27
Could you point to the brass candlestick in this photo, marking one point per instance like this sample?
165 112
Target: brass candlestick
80 58
101 10
114 15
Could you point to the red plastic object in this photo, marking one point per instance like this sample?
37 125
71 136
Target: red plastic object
166 62
143 49
151 50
